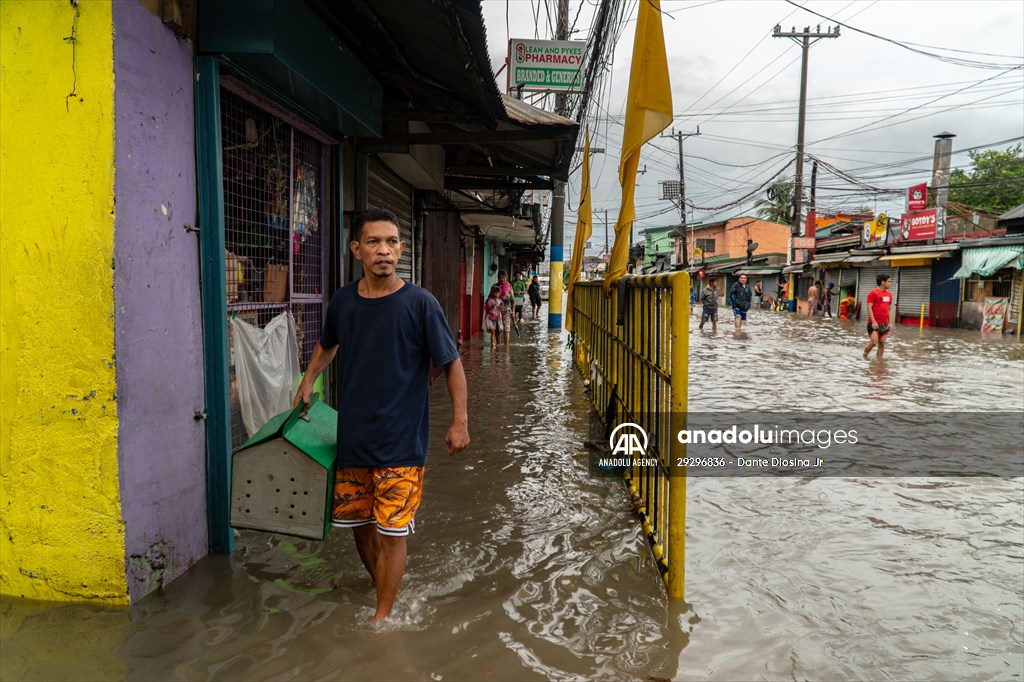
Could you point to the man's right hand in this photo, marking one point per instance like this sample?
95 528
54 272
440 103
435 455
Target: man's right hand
304 394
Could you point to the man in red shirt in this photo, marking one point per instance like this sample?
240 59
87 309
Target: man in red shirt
879 316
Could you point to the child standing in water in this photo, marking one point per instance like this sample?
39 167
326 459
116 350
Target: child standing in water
493 308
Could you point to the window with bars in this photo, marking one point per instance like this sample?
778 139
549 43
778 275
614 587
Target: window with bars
274 223
977 288
706 245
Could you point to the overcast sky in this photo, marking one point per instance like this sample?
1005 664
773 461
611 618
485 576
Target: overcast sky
741 85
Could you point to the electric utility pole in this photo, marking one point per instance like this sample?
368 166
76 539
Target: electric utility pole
558 201
814 186
940 178
814 196
606 251
805 39
682 191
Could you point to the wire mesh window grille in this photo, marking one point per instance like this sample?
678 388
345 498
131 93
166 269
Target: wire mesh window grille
274 222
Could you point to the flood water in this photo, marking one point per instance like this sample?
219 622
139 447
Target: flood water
523 567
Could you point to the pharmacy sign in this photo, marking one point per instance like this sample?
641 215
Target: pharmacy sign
553 65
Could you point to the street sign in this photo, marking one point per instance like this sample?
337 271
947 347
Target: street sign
550 65
803 242
919 225
698 253
917 197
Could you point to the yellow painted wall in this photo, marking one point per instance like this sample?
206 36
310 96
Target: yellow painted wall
61 533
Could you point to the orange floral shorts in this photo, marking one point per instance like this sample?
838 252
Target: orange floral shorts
387 496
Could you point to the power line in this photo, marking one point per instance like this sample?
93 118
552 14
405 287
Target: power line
845 99
862 128
746 196
949 60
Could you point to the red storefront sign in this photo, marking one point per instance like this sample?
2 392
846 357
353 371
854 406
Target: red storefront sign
917 197
919 225
803 242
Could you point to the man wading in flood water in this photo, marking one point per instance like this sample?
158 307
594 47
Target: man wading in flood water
879 317
739 299
388 331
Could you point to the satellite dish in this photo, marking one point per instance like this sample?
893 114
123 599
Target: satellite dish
751 247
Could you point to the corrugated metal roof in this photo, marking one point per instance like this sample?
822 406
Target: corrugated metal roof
830 257
773 270
1009 239
527 114
1013 213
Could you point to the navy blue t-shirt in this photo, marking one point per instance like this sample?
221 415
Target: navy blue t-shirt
386 345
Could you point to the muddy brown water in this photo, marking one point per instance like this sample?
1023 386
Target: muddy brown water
523 567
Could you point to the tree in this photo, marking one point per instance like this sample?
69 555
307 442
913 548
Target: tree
777 206
994 184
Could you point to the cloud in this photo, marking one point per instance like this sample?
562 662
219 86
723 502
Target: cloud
853 80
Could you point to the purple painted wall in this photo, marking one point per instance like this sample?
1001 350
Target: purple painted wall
161 448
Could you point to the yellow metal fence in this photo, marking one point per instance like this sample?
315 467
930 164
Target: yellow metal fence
638 374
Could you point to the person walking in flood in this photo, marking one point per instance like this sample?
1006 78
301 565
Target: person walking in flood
505 288
533 291
493 313
519 294
879 315
812 298
826 301
739 299
709 301
389 331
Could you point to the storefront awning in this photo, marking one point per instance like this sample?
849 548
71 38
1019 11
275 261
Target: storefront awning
285 48
861 259
790 269
758 271
720 268
987 260
837 257
897 258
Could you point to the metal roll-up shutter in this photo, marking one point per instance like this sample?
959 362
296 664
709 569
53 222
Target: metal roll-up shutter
386 190
866 282
915 285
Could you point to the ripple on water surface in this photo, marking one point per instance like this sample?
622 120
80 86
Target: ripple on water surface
523 567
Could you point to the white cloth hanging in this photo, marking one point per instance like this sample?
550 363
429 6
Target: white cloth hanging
267 368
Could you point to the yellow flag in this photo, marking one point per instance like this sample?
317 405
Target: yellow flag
648 112
584 227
